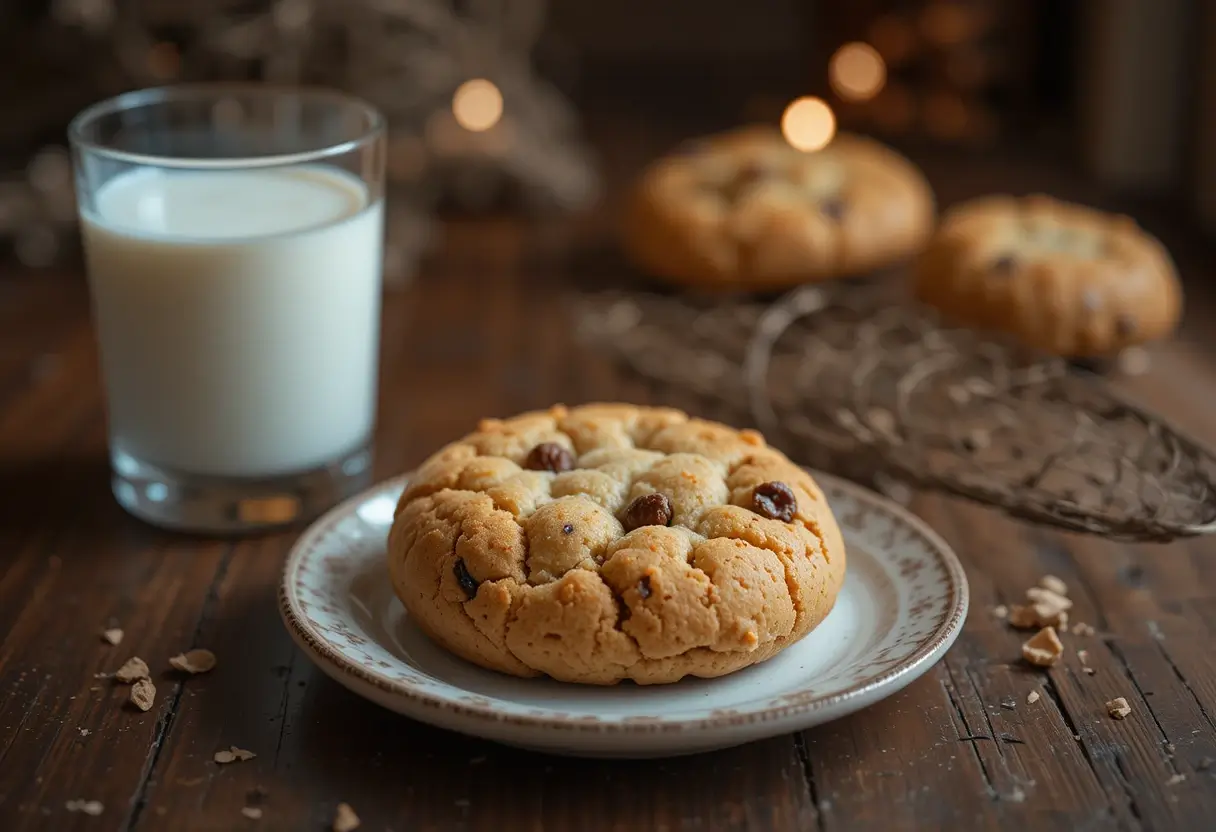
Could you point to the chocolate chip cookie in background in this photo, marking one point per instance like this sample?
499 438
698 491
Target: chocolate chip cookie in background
1059 277
611 542
746 211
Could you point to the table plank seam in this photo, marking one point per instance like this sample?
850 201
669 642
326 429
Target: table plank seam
808 776
948 688
1117 652
284 704
1049 686
1165 654
165 725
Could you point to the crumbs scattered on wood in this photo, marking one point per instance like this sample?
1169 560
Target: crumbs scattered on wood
89 807
1032 697
132 671
1043 649
143 694
112 636
232 755
1118 708
193 661
1175 780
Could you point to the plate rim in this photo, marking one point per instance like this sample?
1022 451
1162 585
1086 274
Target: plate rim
862 693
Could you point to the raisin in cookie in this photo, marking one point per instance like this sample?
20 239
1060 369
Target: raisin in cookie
1063 278
611 542
745 210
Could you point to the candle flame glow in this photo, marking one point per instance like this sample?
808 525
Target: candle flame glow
808 123
477 105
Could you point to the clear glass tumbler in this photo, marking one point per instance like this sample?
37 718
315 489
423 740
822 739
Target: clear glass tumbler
233 237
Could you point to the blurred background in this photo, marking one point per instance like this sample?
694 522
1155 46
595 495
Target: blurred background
526 106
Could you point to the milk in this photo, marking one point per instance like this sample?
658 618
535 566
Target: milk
238 314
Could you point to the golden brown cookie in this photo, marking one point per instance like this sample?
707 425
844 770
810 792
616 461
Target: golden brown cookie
745 210
1063 278
611 542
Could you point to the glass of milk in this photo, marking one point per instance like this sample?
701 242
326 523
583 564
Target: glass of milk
233 238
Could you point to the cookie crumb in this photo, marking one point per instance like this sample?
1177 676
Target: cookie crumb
1023 617
1175 780
132 670
84 732
233 754
112 636
345 819
1082 629
1053 600
89 807
1053 584
1118 708
1000 611
143 694
1043 649
1036 616
1032 697
252 812
193 661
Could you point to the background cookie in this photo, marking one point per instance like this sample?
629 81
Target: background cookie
613 542
1060 277
745 210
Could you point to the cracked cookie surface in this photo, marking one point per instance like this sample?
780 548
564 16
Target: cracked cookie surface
637 543
1063 278
745 210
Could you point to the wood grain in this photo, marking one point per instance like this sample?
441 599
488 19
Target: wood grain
486 331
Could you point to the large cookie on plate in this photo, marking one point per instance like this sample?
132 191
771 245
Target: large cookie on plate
611 542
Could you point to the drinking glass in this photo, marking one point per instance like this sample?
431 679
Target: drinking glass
233 237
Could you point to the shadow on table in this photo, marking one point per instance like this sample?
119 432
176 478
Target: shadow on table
68 498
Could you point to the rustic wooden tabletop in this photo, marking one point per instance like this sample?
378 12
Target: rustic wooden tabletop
484 331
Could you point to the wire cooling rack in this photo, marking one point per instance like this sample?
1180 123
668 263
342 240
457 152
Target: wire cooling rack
858 379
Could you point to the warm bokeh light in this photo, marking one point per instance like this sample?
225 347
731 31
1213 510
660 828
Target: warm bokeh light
808 123
857 72
477 105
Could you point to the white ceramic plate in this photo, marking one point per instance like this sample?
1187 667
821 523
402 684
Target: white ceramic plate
902 605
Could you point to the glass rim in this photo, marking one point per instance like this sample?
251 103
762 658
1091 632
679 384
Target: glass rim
158 95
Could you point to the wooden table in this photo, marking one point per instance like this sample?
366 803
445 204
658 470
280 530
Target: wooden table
484 331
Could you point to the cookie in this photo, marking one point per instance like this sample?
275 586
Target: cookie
610 542
746 211
1063 278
